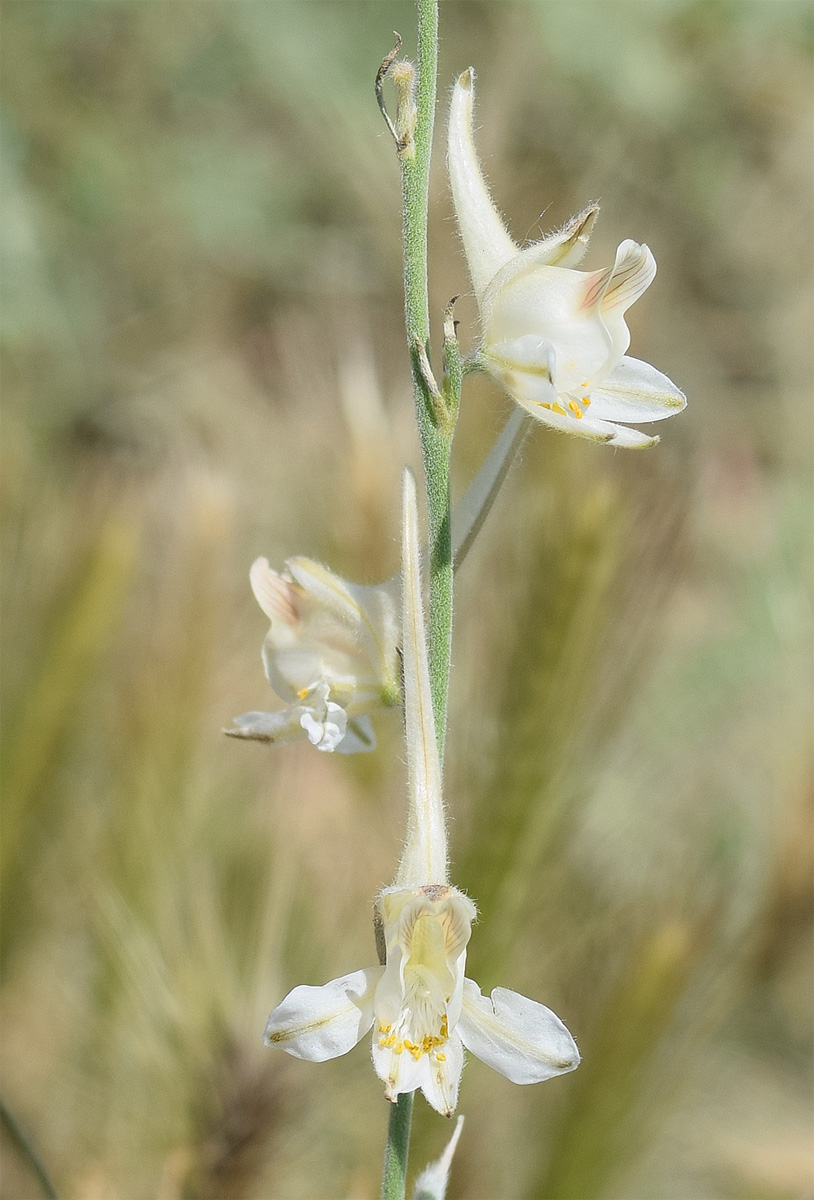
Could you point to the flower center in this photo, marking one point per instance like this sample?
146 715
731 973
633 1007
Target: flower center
422 1025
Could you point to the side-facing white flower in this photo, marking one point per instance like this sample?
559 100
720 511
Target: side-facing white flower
331 653
421 1007
553 337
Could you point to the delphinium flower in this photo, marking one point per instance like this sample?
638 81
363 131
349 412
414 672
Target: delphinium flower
420 1006
553 337
331 653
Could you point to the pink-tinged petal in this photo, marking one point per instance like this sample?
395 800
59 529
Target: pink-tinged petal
275 727
275 595
633 272
518 1037
319 1023
635 391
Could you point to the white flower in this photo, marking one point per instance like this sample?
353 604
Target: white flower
421 1007
553 337
331 653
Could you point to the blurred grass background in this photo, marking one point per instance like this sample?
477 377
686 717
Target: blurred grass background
203 362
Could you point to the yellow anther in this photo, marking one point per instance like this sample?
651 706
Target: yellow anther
558 408
385 1028
399 1048
586 400
575 409
542 404
441 1057
302 693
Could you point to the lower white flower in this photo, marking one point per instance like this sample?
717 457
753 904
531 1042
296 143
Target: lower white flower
422 1009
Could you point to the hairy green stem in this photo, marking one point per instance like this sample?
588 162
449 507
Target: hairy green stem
435 432
394 1178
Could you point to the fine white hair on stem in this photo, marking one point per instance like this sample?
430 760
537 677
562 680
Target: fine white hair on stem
424 859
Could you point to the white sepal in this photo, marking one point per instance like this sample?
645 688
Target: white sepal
635 391
523 1040
274 727
319 1023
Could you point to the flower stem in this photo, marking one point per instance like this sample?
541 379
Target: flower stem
394 1179
435 431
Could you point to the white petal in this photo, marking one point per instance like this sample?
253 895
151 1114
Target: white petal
318 1023
558 307
327 589
398 1072
281 726
424 859
525 367
359 737
487 245
518 1037
325 724
635 391
443 1076
292 669
366 630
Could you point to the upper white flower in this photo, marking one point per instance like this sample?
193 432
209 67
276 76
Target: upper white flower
553 337
331 653
421 1007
